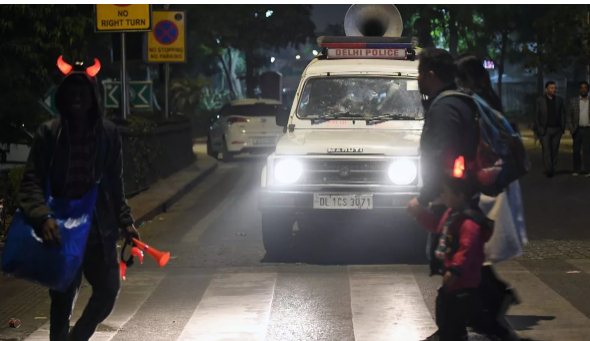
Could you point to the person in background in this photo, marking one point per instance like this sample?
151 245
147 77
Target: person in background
578 123
550 121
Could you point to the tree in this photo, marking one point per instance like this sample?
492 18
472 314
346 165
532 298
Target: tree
31 39
548 35
186 92
253 30
500 24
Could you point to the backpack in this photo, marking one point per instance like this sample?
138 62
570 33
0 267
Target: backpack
501 156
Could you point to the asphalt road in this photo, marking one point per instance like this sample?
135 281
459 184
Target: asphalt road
359 281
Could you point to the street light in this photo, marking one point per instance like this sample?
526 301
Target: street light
298 57
269 13
272 59
315 53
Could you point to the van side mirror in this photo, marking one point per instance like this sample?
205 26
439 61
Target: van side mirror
282 118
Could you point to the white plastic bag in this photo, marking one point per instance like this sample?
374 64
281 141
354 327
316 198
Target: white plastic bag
509 237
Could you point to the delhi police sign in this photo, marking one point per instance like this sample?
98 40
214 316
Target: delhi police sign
166 42
123 18
140 94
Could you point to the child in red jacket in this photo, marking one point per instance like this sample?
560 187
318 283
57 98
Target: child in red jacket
462 233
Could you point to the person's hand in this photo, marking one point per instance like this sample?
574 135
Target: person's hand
449 279
50 232
414 208
129 233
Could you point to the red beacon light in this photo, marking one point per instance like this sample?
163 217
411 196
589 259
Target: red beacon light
396 48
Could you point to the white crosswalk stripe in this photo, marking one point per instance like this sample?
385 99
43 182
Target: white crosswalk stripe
234 307
386 303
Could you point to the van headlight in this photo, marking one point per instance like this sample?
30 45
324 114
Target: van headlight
403 172
288 171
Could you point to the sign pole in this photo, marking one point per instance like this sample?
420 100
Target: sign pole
166 82
124 91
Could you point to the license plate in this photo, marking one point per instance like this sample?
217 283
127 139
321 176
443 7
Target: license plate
267 140
343 201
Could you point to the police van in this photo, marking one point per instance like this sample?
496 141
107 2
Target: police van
351 141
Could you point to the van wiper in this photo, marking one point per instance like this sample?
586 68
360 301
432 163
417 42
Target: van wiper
388 117
335 116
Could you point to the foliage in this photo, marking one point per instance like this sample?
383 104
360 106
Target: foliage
9 188
212 99
144 150
31 39
186 92
268 27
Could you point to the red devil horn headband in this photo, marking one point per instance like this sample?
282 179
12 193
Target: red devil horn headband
66 68
93 70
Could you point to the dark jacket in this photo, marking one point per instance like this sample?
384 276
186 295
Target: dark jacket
540 114
48 161
450 130
469 231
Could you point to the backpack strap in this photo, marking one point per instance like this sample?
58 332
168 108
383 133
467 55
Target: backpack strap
450 93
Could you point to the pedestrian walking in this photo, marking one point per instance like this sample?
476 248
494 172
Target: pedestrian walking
463 231
578 123
506 209
69 155
550 122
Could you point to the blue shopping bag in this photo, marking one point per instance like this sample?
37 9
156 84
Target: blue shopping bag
25 256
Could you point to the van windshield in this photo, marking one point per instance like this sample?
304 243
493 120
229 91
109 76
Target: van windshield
361 98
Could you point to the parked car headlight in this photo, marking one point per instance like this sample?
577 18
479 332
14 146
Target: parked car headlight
403 172
288 171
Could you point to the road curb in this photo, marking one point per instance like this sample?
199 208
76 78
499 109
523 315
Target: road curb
162 205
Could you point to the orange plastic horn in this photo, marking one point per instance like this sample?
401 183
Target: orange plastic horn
136 252
161 257
123 268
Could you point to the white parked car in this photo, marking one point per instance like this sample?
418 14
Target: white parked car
352 141
245 126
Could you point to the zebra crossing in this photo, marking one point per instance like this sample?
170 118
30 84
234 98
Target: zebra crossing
290 302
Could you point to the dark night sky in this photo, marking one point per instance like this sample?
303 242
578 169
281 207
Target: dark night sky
322 15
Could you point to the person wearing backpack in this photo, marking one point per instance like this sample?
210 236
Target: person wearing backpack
449 122
506 209
550 122
458 122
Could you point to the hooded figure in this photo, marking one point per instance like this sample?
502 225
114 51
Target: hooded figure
69 155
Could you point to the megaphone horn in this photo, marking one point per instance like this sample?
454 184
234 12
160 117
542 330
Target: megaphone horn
373 21
161 257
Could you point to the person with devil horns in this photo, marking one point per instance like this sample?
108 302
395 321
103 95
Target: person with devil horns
71 153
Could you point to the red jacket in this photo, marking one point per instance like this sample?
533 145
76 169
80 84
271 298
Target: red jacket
468 258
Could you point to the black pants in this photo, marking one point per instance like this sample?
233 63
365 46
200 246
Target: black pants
582 143
103 275
550 144
453 310
491 292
